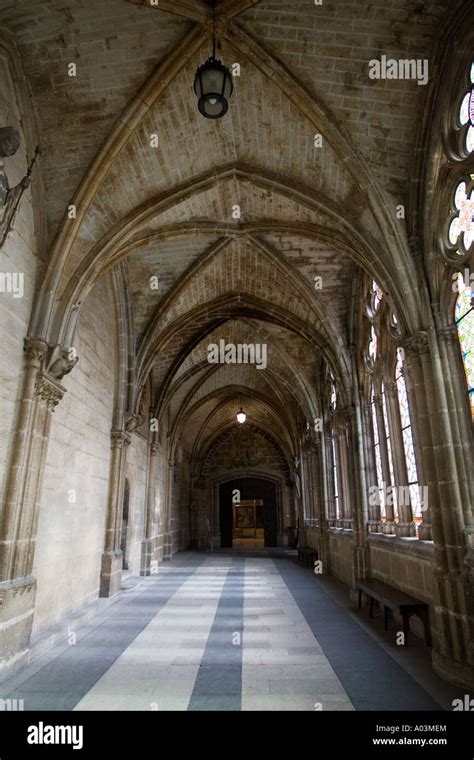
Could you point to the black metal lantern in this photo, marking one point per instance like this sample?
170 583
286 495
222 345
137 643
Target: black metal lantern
213 87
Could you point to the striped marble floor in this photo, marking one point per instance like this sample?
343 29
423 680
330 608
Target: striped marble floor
222 631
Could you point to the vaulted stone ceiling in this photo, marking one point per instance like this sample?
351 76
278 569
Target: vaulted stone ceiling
166 211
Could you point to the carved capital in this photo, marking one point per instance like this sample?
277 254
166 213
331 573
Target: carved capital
35 350
448 334
119 439
416 344
391 389
49 390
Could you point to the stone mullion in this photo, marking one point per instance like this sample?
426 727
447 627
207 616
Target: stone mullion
315 479
357 453
339 475
346 516
405 525
355 473
305 485
311 483
374 514
389 524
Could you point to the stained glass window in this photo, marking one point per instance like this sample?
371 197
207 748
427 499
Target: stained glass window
461 229
466 113
408 438
377 296
378 459
465 324
373 344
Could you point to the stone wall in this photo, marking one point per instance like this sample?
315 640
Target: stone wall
17 259
340 552
71 525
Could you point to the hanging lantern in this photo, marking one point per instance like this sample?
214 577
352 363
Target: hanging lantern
241 416
213 87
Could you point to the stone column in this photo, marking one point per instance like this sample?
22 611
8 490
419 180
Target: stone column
389 525
41 391
453 599
460 417
147 555
315 476
405 525
112 559
168 528
374 522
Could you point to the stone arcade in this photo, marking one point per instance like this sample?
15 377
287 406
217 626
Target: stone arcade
120 450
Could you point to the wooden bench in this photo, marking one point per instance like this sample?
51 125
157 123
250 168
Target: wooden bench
307 555
395 600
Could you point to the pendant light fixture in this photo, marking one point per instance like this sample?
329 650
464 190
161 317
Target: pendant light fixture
241 416
213 82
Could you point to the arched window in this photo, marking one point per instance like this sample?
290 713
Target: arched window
372 347
465 114
376 296
464 314
461 225
407 434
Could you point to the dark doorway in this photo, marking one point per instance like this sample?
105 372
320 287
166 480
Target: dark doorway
250 488
124 536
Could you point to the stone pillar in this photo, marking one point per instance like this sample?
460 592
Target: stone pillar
41 391
315 476
460 417
147 554
405 525
453 603
389 525
374 523
167 535
112 559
